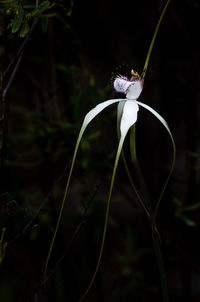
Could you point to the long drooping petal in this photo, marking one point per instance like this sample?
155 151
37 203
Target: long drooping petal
96 110
159 117
88 118
128 118
162 120
120 108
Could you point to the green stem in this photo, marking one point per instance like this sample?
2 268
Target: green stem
155 233
63 203
106 218
137 167
153 40
133 186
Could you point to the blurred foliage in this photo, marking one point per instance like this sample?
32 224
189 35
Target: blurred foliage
52 73
21 13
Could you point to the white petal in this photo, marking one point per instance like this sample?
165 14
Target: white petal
129 116
120 108
159 117
134 90
96 110
121 84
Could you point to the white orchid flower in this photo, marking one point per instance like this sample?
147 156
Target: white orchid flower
127 114
127 109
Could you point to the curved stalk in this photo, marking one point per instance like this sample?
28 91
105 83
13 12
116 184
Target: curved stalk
88 118
155 233
63 202
153 41
106 218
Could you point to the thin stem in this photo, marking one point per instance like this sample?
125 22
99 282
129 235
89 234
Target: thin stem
106 218
155 233
165 184
63 201
21 48
153 41
12 76
119 116
133 185
137 167
76 232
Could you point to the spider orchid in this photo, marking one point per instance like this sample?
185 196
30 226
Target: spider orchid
127 114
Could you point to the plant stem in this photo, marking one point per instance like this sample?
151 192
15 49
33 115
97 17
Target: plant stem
153 41
155 233
106 218
63 203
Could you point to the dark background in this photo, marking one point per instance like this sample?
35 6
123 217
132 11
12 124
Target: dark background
62 75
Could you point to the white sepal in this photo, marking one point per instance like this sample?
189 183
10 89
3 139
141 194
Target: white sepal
159 117
129 116
120 108
96 110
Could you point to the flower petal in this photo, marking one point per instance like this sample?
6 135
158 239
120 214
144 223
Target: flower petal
129 116
159 117
96 110
121 84
88 118
120 108
134 90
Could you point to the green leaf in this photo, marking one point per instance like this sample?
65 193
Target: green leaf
193 207
18 20
188 221
10 24
15 27
40 9
24 30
